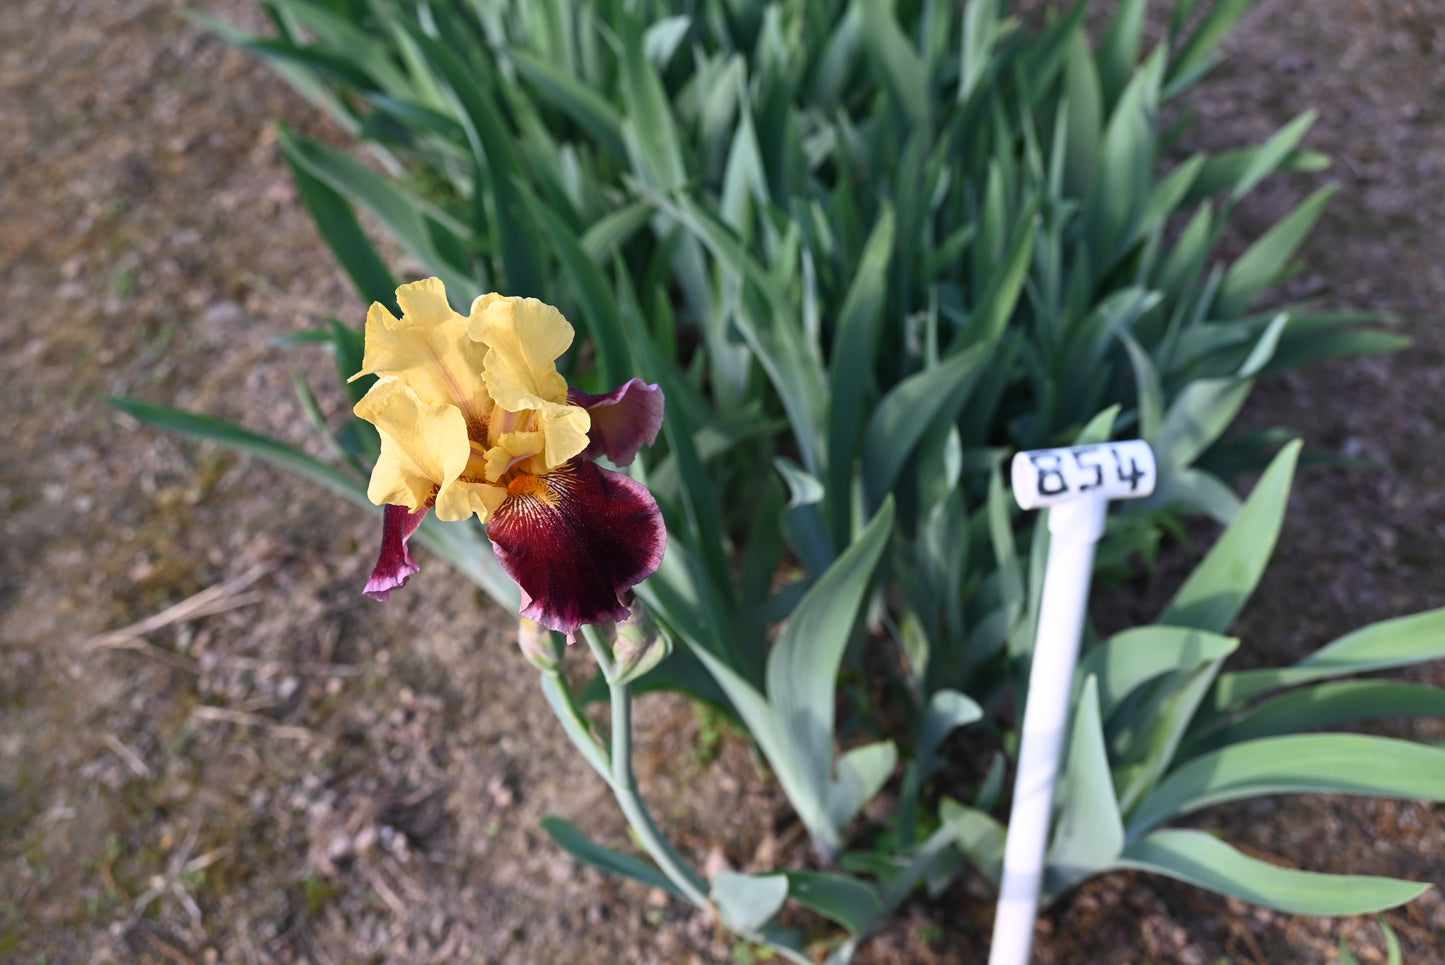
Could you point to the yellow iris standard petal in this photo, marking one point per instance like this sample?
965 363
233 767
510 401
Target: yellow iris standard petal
425 302
524 339
423 446
428 349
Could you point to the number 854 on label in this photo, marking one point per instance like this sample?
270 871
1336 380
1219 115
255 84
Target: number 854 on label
1110 470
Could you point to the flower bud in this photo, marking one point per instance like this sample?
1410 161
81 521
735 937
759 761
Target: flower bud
639 645
537 645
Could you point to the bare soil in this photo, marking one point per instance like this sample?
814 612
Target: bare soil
277 770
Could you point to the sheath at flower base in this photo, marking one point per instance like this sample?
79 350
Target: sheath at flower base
475 419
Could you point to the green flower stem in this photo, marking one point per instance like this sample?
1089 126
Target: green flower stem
600 649
616 768
624 783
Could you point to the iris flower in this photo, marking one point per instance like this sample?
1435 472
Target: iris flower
475 419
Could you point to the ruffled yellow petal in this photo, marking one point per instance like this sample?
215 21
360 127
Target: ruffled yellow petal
511 449
423 446
464 497
565 428
425 302
524 339
428 349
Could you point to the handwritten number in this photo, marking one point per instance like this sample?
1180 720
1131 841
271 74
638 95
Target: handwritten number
1134 474
1098 469
1054 470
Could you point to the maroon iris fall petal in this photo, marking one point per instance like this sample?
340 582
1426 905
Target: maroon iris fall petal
623 420
395 566
574 539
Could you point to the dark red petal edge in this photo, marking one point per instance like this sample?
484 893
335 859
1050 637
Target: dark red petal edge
572 559
623 420
395 566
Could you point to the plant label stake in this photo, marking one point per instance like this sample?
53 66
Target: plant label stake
1076 485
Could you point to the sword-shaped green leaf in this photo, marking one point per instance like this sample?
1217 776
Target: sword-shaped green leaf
1296 764
587 851
1088 832
1215 592
1201 859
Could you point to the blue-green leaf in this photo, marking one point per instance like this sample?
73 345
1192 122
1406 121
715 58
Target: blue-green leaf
1390 643
343 235
1119 50
1201 859
903 67
1124 175
1147 389
947 711
584 849
590 110
1197 53
1089 833
1132 657
851 903
855 350
1084 117
771 330
243 440
1326 705
492 143
981 30
649 129
979 835
1218 588
1199 415
746 903
859 774
803 520
1300 763
1262 263
803 665
1267 158
1005 282
905 413
420 227
1146 739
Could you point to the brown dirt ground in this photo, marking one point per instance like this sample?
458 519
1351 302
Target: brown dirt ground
296 774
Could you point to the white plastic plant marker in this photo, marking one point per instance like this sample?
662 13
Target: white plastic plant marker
1076 485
